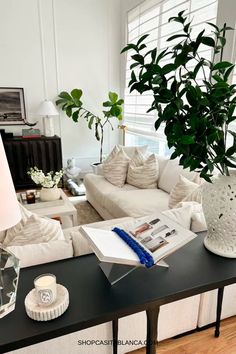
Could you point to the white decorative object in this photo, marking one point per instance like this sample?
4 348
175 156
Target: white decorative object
50 194
72 171
48 111
46 289
41 313
219 206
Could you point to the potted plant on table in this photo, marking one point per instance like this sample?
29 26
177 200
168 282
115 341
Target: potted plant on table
196 102
48 182
72 105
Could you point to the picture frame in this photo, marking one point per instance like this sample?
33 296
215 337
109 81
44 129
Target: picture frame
12 106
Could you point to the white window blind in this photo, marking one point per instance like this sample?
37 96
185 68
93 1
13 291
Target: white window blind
151 17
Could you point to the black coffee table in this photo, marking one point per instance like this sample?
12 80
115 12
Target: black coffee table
193 270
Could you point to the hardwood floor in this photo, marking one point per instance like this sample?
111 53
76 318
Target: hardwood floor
202 342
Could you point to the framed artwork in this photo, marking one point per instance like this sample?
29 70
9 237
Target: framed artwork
12 106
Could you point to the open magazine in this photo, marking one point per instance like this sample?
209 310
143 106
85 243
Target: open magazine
159 235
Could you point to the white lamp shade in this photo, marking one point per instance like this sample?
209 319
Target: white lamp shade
10 213
47 108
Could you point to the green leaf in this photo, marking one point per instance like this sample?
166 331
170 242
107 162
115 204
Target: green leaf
213 25
187 139
133 65
217 78
154 54
116 111
138 57
208 41
231 150
113 97
90 123
75 116
60 101
157 79
65 95
222 41
222 65
142 38
168 68
227 28
228 72
107 104
69 111
128 47
158 123
143 46
120 102
76 93
176 36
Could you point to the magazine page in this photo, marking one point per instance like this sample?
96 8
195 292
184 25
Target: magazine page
159 235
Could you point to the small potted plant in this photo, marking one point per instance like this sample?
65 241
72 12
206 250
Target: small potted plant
72 105
48 182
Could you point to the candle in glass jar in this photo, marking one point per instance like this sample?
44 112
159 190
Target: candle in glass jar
30 197
46 289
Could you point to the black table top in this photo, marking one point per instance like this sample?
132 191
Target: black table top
93 300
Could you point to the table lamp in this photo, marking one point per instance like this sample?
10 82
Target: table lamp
9 207
47 110
10 215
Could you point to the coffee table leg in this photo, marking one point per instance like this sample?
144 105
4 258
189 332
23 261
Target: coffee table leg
115 335
152 319
218 311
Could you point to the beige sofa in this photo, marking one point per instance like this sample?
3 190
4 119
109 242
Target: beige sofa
114 202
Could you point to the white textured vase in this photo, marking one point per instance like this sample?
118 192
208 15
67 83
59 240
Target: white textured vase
49 194
219 206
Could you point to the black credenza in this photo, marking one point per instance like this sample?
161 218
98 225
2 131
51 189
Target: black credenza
23 153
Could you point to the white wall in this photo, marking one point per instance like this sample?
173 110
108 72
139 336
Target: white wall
48 46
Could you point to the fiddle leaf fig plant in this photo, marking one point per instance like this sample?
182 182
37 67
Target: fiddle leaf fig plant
72 105
192 95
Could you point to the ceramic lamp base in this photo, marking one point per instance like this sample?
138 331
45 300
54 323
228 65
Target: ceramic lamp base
48 126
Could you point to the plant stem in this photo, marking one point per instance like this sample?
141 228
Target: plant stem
101 143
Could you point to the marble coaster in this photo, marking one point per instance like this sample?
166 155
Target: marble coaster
47 313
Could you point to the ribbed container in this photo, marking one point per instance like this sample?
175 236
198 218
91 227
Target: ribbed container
48 313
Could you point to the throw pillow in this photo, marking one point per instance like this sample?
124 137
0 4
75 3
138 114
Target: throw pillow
30 255
112 154
130 150
33 229
182 216
198 222
194 196
181 190
115 167
143 173
170 175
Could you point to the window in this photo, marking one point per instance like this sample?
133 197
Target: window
151 16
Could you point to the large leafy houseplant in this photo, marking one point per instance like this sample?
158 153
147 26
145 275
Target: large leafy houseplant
72 105
192 95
